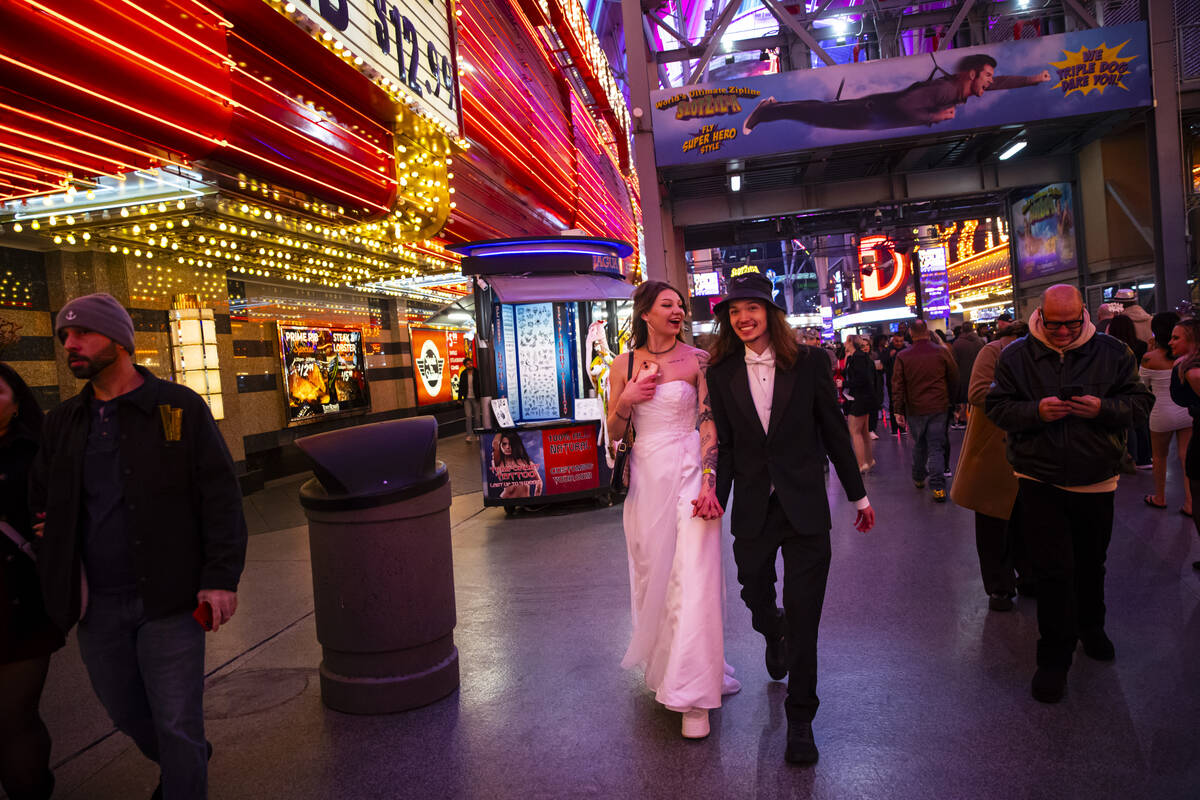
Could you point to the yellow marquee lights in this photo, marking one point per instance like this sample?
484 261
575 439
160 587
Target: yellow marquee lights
246 238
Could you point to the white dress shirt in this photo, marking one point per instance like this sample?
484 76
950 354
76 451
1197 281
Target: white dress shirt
760 370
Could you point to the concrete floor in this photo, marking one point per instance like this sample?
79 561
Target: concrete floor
925 694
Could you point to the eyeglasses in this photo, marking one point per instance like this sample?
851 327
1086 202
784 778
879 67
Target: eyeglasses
1070 324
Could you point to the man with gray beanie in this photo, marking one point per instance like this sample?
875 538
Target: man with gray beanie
144 539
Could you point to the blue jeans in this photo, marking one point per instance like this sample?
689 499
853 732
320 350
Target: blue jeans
928 435
149 675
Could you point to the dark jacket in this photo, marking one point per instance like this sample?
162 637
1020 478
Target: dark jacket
470 374
1073 451
183 505
25 630
966 347
789 455
860 379
923 378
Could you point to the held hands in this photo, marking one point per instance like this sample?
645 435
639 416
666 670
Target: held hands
706 505
865 519
223 605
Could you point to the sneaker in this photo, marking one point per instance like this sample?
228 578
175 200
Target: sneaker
874 435
1145 466
919 484
1000 602
947 474
939 495
1049 684
1097 645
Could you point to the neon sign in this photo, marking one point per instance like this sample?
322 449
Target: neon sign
874 253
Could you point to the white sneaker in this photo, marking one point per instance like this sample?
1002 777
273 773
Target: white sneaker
695 723
730 685
874 435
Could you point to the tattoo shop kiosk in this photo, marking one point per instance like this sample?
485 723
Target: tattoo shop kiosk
549 314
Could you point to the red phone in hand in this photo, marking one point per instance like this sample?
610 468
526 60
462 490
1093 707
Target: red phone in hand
204 615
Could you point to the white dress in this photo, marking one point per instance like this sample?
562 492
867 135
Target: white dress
1165 415
675 579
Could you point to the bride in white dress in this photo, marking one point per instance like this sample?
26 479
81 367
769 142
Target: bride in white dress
671 515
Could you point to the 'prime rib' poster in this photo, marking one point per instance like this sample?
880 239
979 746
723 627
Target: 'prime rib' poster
323 372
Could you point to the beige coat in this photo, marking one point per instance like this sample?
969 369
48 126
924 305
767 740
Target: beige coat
984 479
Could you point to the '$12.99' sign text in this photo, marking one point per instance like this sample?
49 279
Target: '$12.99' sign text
426 72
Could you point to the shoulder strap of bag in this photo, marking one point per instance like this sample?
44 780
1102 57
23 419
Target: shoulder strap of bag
18 540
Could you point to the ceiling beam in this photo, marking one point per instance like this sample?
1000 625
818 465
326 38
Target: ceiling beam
958 21
713 38
869 192
1082 13
802 31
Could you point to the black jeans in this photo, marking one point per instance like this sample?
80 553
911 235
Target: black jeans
24 740
1002 555
805 570
1066 535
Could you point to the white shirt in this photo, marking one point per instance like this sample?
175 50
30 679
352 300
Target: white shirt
760 370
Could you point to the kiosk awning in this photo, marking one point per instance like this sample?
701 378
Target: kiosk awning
557 288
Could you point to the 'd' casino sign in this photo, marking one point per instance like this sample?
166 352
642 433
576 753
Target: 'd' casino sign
438 358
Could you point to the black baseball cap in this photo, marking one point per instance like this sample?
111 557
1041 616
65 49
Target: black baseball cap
748 286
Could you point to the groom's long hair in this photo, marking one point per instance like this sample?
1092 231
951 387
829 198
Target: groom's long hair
783 340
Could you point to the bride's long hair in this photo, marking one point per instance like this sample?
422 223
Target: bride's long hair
783 341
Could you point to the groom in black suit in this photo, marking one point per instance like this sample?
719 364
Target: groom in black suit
776 414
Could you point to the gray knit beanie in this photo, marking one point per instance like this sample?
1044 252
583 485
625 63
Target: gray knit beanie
100 313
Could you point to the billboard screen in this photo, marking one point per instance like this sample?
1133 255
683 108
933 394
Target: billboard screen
1043 229
1064 75
324 372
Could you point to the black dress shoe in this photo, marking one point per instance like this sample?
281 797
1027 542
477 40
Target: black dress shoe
1097 645
1049 684
1000 602
801 747
777 658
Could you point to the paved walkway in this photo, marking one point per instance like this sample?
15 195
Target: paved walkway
925 694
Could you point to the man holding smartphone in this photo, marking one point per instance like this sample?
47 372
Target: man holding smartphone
1066 395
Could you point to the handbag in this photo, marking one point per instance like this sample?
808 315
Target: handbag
620 471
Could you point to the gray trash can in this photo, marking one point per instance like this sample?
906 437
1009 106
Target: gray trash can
383 580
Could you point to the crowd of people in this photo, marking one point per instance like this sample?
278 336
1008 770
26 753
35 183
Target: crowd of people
122 517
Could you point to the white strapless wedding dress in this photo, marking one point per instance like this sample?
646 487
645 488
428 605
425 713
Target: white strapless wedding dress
675 578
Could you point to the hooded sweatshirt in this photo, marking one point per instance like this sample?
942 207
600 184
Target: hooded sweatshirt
1141 321
1038 330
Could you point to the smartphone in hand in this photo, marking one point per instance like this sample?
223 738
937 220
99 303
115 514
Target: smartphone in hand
1067 392
204 615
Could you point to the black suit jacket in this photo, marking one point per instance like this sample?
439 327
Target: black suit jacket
790 455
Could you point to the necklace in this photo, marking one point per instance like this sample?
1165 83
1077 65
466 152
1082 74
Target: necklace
661 352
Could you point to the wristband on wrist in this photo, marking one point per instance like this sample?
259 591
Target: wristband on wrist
707 471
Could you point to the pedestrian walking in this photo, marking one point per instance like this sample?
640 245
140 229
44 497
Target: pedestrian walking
144 538
1066 396
925 375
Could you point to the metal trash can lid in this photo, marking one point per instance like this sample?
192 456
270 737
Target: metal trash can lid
372 465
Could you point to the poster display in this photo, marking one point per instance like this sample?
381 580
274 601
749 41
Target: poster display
1043 229
1064 75
531 463
935 282
438 358
324 372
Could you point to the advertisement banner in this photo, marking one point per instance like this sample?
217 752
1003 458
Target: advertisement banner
323 372
438 358
1069 74
1043 229
935 283
532 463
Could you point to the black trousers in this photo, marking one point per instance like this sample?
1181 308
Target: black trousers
1003 560
805 571
1067 536
24 740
